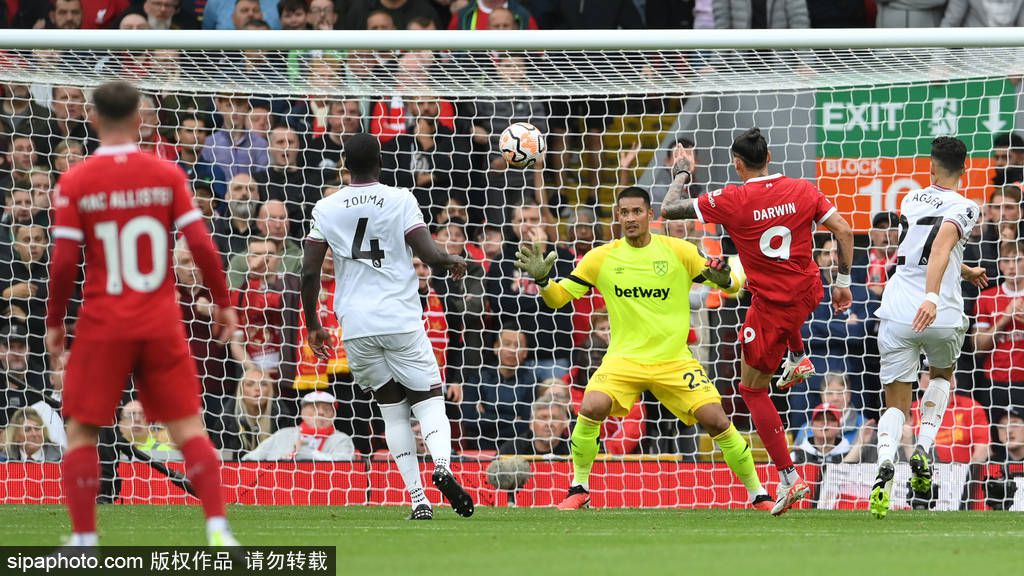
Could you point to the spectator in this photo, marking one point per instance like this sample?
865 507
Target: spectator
1007 158
268 303
137 431
999 332
910 13
202 193
20 210
67 154
65 15
380 20
826 443
497 407
315 438
22 156
974 13
293 14
1001 223
250 416
463 303
41 184
233 14
287 179
611 14
838 14
662 176
884 237
675 14
272 226
548 433
322 15
480 15
150 139
189 134
50 414
24 282
234 148
1010 436
344 118
492 242
756 15
434 320
400 11
232 231
20 380
67 117
27 439
389 118
133 21
161 14
836 393
964 434
20 114
421 23
511 295
313 372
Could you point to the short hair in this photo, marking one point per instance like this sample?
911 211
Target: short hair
1010 191
423 21
1008 140
635 192
685 141
949 153
117 100
1011 248
752 148
362 155
257 23
839 377
381 11
291 6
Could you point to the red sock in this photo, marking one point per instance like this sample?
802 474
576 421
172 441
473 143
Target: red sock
769 425
202 466
81 471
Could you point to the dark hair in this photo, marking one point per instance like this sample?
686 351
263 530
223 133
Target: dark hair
362 155
421 21
292 6
949 153
752 148
1010 247
1010 191
256 23
686 142
1008 140
635 192
380 11
116 100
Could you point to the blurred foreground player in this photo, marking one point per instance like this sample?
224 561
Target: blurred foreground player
120 207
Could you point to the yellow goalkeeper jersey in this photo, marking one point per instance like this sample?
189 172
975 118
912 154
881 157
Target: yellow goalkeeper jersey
647 293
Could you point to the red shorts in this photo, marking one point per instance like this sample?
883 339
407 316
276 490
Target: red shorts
773 327
98 370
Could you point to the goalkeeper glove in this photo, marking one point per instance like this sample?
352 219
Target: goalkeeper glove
533 262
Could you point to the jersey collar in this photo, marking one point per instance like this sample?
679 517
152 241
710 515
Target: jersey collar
116 150
1010 293
765 178
941 188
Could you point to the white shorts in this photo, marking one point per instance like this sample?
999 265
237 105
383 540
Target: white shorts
406 358
900 348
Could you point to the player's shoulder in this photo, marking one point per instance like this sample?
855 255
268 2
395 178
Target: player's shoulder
677 245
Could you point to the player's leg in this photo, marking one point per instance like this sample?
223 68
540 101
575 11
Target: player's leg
400 439
942 347
735 451
410 358
798 367
80 471
169 391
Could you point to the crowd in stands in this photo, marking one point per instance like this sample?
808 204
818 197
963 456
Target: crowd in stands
514 370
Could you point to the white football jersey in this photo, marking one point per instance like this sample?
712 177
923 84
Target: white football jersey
921 214
365 226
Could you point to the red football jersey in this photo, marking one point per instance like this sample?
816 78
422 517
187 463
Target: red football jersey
771 220
123 205
1006 361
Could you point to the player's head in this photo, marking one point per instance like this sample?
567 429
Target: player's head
633 209
750 155
115 106
362 157
1011 260
948 157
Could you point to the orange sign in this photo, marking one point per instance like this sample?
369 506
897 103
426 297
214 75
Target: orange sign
862 187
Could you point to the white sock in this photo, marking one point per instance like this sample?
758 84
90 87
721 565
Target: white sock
788 476
216 524
933 408
796 357
890 434
84 539
436 429
402 444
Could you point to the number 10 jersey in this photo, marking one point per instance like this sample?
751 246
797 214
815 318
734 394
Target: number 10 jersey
922 213
365 226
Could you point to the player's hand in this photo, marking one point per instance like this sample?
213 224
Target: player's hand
457 267
454 393
225 323
976 276
55 339
718 272
628 157
925 316
682 158
842 299
533 262
320 343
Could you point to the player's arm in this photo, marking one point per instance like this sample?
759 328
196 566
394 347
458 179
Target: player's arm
977 276
533 261
942 246
314 250
676 205
842 298
717 273
68 238
427 250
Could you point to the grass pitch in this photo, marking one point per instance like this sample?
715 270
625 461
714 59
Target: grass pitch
378 541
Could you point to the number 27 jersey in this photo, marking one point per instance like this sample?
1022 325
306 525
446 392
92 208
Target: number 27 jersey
377 287
922 213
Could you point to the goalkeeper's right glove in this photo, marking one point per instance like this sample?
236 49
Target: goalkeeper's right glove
533 262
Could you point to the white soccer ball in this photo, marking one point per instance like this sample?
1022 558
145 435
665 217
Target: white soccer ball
521 145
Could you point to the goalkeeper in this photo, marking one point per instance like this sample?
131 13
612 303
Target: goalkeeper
645 280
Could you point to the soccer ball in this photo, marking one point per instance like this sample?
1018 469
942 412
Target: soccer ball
521 144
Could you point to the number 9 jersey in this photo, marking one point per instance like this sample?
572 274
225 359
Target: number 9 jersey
922 213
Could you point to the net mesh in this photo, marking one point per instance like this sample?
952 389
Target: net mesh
260 135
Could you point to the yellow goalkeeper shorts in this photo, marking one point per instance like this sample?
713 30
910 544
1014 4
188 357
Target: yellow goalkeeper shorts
682 386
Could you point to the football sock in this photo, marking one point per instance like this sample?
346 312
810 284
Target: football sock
202 466
933 408
584 446
890 433
770 429
436 430
81 476
401 443
737 455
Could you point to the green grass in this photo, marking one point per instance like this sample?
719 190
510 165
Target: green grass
379 541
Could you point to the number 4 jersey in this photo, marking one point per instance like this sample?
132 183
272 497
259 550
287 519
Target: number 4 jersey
771 220
922 213
365 226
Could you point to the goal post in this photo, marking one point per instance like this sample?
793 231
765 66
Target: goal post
852 110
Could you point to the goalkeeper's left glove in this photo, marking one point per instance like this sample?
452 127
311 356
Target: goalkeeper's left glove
533 262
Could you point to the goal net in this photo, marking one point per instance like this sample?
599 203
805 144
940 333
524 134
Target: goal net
260 133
